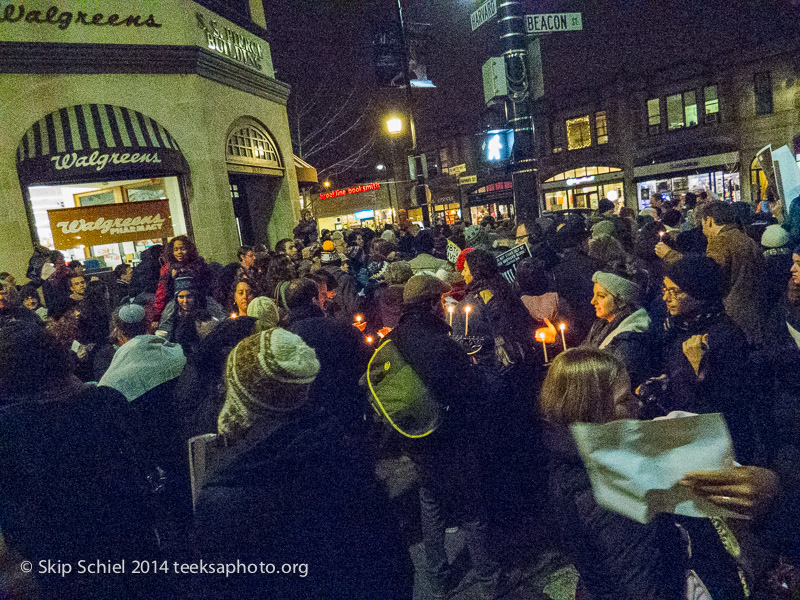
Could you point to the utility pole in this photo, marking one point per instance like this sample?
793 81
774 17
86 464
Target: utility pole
420 188
519 115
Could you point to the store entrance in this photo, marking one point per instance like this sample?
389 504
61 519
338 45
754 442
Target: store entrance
253 198
586 200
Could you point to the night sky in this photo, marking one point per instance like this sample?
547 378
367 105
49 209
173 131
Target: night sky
322 48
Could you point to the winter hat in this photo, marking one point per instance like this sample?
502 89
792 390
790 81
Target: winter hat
184 283
265 311
462 257
774 236
142 364
619 287
604 227
267 374
337 235
475 235
700 277
327 246
604 205
131 313
398 273
388 236
649 212
423 287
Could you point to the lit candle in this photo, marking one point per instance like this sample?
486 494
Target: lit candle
450 309
234 315
359 318
563 328
544 347
467 310
369 339
661 235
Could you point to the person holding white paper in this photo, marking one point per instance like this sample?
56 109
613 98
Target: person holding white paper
616 557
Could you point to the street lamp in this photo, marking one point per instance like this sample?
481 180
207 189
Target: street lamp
380 167
326 184
394 125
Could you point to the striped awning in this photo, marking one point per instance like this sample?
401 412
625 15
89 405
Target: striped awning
305 172
93 141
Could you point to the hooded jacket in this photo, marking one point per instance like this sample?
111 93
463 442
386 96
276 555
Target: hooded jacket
630 340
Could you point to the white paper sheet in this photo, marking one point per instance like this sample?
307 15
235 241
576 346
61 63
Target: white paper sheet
635 466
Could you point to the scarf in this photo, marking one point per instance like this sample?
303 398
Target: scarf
601 328
693 324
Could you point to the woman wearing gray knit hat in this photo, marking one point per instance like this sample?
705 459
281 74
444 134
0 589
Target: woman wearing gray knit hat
622 326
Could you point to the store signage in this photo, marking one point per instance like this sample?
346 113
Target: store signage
552 22
485 11
231 43
713 160
457 169
110 223
16 13
366 187
362 215
467 180
580 180
72 160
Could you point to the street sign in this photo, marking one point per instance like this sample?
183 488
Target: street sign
553 22
485 11
457 169
467 180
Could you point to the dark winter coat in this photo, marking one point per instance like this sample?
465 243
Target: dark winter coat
572 277
725 383
291 492
629 338
343 357
69 488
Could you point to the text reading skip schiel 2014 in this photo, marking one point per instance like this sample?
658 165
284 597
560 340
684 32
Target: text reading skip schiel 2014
153 567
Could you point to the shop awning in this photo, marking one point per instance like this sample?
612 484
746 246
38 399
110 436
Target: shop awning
305 172
94 142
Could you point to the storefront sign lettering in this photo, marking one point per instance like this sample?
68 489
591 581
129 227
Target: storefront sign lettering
110 223
14 13
114 226
99 161
231 43
366 187
580 180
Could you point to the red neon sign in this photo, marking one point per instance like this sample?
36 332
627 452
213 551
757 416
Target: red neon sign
365 187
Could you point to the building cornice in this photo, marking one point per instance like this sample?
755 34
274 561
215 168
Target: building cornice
95 59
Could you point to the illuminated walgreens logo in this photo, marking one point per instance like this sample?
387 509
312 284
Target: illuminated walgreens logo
15 13
353 190
113 226
580 180
99 161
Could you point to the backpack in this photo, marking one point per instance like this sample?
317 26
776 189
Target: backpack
398 394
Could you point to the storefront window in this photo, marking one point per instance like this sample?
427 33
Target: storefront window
722 184
579 133
653 116
711 104
583 197
601 127
582 172
675 116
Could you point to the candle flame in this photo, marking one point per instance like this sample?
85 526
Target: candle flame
234 315
450 309
359 318
369 339
467 308
562 326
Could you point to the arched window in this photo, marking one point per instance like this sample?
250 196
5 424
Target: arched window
582 172
251 149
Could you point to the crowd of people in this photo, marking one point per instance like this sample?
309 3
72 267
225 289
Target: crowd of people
105 376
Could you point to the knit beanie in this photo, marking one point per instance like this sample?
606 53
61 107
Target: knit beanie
184 283
265 311
462 257
700 277
619 287
475 235
604 227
388 236
131 313
774 236
266 375
423 287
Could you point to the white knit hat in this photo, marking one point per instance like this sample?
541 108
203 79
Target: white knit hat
774 236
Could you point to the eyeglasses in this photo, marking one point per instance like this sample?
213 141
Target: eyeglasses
672 292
